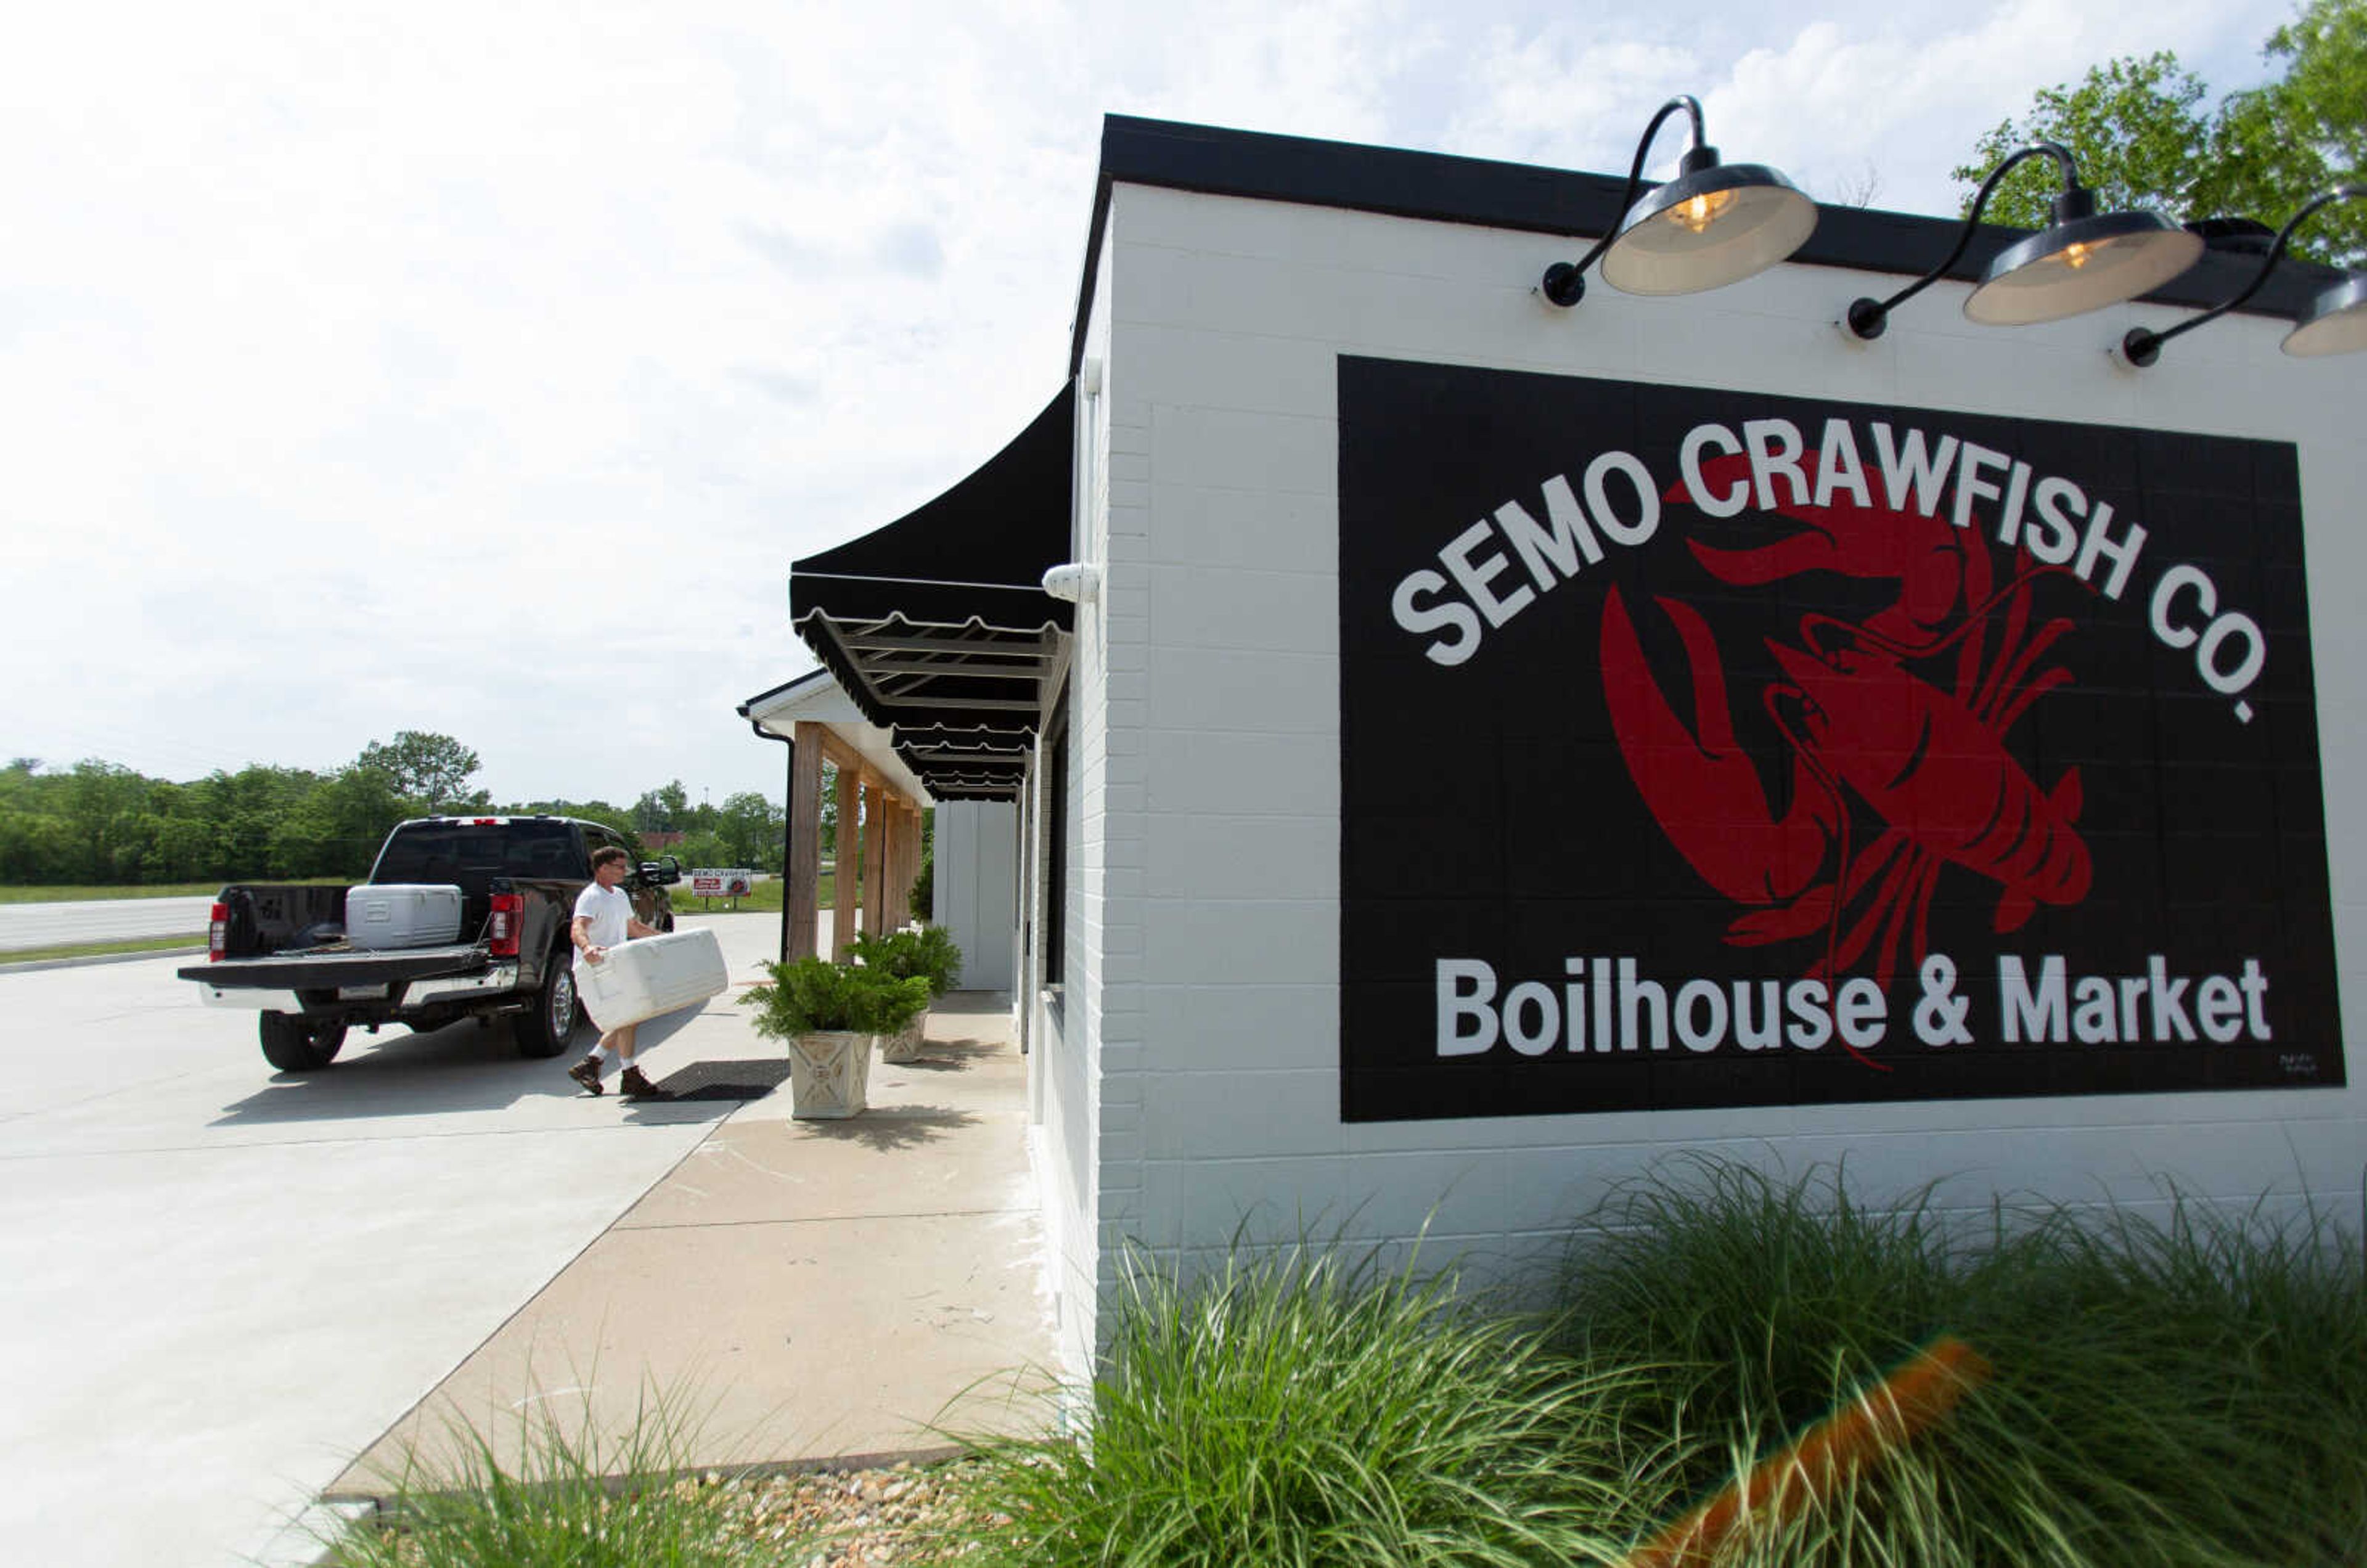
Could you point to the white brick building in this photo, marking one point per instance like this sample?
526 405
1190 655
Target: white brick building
1338 783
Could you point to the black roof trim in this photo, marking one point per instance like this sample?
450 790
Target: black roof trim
1445 189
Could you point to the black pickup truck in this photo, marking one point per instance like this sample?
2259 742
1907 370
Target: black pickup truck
282 947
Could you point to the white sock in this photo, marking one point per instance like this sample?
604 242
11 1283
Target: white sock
600 1055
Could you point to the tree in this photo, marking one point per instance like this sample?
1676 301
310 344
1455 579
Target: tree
105 805
2137 128
662 810
357 810
827 823
750 827
2131 124
249 806
182 849
703 849
2309 131
423 766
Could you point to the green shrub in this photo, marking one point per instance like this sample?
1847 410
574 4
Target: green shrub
929 953
814 993
922 901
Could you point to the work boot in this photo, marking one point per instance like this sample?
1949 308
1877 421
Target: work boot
587 1073
635 1087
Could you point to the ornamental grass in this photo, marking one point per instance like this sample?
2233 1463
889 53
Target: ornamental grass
2176 1386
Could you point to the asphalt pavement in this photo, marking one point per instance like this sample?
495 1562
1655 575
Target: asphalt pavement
222 1284
26 926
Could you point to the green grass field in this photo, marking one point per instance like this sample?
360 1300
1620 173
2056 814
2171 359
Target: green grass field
761 897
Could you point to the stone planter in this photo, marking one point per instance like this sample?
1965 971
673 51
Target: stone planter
829 1072
904 1045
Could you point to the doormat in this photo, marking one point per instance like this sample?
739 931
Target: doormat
725 1081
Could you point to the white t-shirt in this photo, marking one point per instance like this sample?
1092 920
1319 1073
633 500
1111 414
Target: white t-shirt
607 908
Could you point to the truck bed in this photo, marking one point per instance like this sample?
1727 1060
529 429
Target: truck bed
321 969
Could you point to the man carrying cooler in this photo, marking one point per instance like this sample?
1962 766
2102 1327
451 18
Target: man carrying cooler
604 918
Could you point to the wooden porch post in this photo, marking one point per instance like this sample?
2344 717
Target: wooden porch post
850 838
908 865
875 856
804 869
892 818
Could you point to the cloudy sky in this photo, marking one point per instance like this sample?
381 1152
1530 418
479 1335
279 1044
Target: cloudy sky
481 367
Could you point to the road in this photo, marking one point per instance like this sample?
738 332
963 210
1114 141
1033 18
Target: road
100 919
221 1285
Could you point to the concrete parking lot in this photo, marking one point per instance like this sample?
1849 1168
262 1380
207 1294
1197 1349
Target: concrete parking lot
220 1285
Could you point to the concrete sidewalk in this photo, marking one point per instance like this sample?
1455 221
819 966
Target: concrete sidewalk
805 1292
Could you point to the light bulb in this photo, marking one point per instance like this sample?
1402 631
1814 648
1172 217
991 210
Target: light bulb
1701 212
2076 256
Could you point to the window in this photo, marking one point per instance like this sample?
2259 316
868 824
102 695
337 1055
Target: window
464 852
1056 841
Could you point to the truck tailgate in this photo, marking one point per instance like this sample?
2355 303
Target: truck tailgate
335 969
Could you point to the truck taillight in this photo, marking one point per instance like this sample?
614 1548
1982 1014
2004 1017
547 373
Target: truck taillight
217 934
501 928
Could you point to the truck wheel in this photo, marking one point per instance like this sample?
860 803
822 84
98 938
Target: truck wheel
295 1044
544 1029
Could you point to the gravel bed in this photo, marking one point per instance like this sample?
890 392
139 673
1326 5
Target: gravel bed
907 1514
898 1514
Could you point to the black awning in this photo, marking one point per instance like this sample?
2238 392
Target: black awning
977 552
979 763
938 626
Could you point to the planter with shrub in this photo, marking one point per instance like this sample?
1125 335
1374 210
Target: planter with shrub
826 1014
927 953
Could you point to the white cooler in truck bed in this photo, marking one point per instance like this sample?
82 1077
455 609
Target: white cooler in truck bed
402 914
654 974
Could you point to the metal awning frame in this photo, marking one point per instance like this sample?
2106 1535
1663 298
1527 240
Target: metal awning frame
960 700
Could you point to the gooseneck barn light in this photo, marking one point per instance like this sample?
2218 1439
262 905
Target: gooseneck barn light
1714 224
2335 321
2081 261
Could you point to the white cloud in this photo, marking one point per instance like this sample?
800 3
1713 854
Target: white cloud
1573 94
482 368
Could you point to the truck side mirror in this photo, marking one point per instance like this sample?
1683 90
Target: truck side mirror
661 873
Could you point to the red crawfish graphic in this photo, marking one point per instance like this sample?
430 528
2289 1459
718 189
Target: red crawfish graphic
1897 721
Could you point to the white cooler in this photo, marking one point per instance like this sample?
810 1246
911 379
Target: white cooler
654 974
401 914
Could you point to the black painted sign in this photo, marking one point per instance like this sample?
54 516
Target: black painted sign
1709 748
